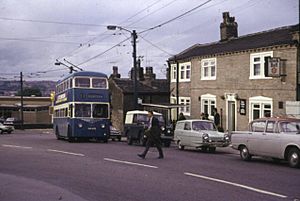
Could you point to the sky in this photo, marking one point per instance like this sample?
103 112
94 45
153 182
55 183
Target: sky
36 33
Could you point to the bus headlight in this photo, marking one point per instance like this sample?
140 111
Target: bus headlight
80 125
103 126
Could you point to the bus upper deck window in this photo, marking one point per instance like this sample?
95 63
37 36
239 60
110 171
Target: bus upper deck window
82 82
99 83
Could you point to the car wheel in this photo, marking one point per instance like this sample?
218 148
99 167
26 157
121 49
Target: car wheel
245 154
112 139
181 147
119 138
204 149
294 158
1 131
212 149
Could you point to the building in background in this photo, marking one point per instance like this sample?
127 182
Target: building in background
35 109
245 77
150 90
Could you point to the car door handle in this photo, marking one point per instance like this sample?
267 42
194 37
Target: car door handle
264 134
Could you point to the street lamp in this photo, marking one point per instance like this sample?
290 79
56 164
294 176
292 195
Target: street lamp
134 37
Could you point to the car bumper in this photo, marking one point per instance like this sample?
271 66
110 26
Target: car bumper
214 144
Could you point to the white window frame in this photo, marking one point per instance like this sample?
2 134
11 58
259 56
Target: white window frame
186 102
210 98
262 56
261 101
209 77
173 72
183 67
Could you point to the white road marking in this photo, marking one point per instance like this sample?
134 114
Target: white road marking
236 184
65 152
16 146
129 163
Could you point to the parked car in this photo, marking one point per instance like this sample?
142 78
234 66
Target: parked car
115 133
136 122
199 134
6 129
277 138
12 121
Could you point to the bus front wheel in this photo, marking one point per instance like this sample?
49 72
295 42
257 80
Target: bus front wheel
70 138
57 134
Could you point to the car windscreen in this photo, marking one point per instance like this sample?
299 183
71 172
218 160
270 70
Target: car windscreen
143 118
292 126
100 110
203 125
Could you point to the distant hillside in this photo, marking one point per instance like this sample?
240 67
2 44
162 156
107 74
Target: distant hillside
9 88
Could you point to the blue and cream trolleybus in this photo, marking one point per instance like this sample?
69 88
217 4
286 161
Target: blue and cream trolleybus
81 107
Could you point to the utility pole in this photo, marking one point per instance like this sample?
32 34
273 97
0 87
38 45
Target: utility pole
177 85
135 95
22 104
135 82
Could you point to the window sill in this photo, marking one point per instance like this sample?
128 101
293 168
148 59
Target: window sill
214 78
260 78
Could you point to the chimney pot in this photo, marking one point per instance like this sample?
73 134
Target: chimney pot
228 27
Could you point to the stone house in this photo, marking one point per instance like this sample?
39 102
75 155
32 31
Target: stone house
244 77
150 90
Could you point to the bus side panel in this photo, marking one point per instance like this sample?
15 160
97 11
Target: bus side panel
62 125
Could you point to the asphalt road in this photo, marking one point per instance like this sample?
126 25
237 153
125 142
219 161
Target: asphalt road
34 166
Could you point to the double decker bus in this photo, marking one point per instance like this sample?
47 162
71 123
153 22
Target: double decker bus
81 107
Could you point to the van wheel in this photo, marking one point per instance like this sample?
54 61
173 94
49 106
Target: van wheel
167 144
129 140
244 153
181 147
212 149
294 158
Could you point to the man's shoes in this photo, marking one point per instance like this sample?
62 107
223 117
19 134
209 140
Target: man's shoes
141 156
160 157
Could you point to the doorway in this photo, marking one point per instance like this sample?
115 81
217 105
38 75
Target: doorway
231 114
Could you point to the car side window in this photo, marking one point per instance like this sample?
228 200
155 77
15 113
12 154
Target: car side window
258 126
270 127
179 126
187 126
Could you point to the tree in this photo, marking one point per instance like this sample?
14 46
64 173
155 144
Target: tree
30 92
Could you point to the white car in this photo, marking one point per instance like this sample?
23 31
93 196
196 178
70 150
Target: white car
199 134
277 138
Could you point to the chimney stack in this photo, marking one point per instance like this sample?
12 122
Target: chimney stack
149 73
115 73
228 28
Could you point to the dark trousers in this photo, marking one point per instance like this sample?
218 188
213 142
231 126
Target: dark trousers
151 142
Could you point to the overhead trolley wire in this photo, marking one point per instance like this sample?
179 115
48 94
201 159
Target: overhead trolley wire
175 18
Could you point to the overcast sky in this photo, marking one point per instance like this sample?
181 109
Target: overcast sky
34 33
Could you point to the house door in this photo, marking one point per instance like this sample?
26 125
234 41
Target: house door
231 116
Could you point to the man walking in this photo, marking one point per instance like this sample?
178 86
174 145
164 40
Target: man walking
153 136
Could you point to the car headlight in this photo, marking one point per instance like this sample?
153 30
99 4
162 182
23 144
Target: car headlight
205 137
102 125
163 128
169 131
226 137
80 125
